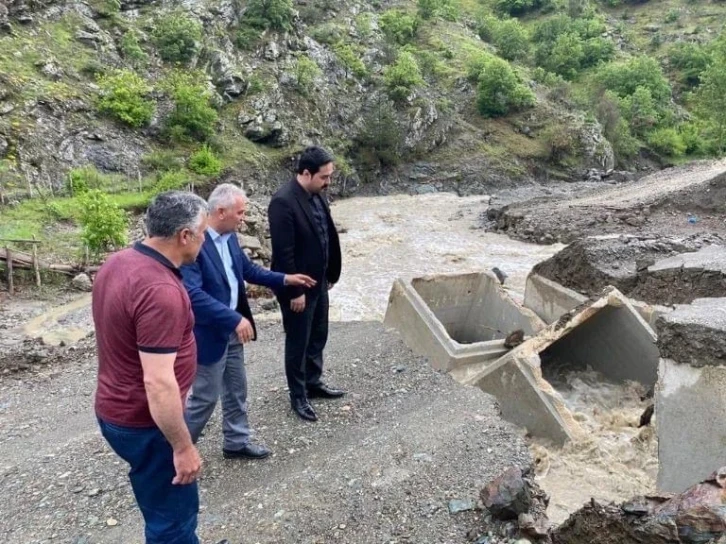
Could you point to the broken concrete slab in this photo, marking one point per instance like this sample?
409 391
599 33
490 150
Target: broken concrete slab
694 334
685 277
458 319
590 264
549 299
607 335
690 423
526 398
691 393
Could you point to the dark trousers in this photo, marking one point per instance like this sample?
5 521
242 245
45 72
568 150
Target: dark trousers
170 511
306 334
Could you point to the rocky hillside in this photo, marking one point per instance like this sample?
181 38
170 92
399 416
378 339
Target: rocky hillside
135 96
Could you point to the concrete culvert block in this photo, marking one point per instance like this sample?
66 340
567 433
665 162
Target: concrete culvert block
607 335
457 319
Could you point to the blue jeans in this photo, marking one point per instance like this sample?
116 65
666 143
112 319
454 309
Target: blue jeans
170 511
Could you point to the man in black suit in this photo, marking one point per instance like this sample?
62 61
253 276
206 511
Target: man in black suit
305 241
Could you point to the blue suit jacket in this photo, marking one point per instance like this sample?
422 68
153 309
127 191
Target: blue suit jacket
209 291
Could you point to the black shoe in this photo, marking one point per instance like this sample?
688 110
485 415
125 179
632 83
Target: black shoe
322 391
249 451
302 408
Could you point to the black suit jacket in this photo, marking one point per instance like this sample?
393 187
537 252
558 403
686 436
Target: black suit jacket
296 247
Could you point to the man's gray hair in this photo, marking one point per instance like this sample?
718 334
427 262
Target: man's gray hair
173 211
224 196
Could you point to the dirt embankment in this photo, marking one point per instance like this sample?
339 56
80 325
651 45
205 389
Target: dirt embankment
684 199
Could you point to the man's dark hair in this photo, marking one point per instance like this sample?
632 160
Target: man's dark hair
312 159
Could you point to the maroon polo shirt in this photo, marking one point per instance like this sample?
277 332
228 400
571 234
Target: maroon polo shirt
139 304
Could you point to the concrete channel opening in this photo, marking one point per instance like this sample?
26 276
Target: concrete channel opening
471 307
457 320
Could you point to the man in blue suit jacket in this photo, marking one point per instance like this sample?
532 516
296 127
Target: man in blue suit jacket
223 322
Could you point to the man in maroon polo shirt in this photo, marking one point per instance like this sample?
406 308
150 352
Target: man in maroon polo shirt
147 361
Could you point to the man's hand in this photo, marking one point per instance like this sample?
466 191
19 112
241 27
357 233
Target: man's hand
244 331
297 305
330 286
187 464
299 280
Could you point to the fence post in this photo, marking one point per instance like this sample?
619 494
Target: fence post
36 266
9 257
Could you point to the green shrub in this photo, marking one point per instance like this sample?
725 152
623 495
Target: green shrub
667 141
247 37
446 9
176 36
511 39
567 46
431 66
328 33
306 71
256 85
398 26
171 181
351 60
625 77
131 49
401 77
104 223
690 60
363 24
520 7
205 162
81 180
641 111
476 64
692 138
379 142
193 117
500 90
264 14
560 142
124 96
162 160
672 16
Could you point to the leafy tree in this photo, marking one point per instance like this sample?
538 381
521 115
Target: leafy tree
446 9
306 70
711 100
104 223
381 136
624 78
511 39
177 36
264 14
124 96
500 90
641 111
690 60
401 77
398 26
351 59
193 117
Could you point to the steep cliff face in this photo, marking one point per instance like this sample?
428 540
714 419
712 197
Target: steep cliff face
319 79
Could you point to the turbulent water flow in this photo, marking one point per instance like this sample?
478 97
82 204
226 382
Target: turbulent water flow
407 236
617 461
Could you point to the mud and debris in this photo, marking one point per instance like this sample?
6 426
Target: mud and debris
685 199
655 269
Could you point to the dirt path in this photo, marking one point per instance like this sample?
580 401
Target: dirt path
380 466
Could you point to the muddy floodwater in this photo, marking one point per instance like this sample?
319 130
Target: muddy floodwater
407 236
